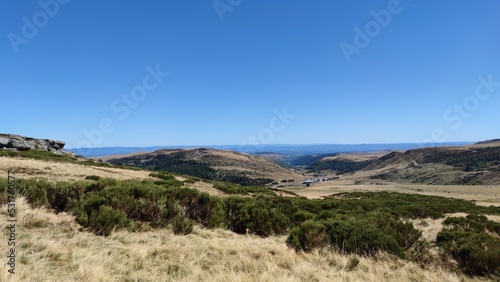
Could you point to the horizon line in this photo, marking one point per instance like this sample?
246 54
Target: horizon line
282 144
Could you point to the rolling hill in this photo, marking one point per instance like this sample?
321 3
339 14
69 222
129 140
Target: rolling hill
211 164
458 165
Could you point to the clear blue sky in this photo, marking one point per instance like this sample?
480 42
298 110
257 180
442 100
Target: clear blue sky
415 78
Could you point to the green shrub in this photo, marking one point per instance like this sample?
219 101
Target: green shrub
162 175
169 183
229 188
99 185
475 253
92 177
248 215
301 216
465 240
308 236
182 225
61 195
107 219
361 237
365 236
404 232
465 224
216 213
34 191
420 252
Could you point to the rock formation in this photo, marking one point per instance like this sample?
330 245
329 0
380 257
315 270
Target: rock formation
14 142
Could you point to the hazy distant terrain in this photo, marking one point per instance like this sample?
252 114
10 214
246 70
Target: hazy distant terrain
294 150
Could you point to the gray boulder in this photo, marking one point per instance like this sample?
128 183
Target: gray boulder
14 142
4 141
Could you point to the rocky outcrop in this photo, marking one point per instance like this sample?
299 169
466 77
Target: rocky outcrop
21 143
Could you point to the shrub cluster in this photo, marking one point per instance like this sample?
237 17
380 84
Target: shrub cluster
363 236
262 216
467 240
104 204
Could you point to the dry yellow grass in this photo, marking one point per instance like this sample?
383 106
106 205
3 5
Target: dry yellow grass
53 171
483 194
51 248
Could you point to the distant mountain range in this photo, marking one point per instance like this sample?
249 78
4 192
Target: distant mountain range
284 149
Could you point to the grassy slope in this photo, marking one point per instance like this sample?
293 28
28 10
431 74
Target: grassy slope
52 248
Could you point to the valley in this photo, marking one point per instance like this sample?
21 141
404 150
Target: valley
469 172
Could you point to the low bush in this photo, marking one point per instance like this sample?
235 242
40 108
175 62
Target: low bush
170 183
182 225
162 175
465 239
107 219
249 215
365 236
34 191
475 253
308 236
361 237
92 177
